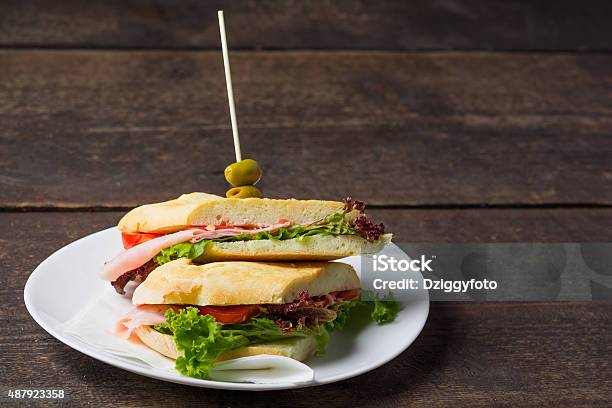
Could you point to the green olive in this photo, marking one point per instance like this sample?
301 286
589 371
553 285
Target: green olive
244 192
243 173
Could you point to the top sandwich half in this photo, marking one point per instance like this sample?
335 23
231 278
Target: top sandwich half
208 228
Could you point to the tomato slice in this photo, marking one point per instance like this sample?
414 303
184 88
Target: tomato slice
347 294
131 239
230 314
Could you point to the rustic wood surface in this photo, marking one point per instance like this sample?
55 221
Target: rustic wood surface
538 354
276 24
456 120
126 128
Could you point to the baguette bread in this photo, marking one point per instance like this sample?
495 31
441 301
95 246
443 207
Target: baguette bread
297 348
242 283
202 209
315 248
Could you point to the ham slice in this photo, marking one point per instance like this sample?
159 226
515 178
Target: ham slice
140 254
144 315
230 232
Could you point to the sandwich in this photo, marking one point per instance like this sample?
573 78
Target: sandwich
202 314
208 228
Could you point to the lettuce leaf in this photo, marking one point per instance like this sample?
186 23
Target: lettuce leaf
182 250
385 311
334 224
201 338
343 310
381 311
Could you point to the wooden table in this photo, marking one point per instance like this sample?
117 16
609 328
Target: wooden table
457 121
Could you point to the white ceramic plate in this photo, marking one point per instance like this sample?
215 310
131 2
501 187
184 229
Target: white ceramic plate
67 280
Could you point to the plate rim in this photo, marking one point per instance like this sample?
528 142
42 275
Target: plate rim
162 375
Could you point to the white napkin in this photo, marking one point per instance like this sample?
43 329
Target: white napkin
95 324
262 369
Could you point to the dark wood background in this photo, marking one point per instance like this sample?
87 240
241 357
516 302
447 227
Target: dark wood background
457 121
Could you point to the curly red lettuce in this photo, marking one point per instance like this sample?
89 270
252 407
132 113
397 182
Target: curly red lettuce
304 313
362 225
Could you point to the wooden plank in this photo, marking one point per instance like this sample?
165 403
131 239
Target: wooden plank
537 354
124 128
28 238
53 230
421 24
497 225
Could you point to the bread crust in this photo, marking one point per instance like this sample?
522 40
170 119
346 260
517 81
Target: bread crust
297 348
315 248
202 209
239 283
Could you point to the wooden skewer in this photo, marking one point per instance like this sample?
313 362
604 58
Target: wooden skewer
230 90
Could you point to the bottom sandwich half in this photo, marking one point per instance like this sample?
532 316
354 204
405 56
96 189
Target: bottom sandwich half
202 314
